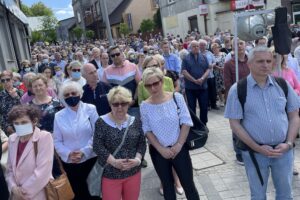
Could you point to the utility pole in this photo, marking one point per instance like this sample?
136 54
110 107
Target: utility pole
107 23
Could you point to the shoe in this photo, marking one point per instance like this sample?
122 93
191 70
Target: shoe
179 190
215 108
222 104
144 163
161 191
295 172
239 160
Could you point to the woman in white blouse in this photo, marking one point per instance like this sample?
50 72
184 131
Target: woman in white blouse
73 137
167 130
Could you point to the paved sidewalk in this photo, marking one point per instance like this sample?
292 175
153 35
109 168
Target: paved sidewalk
216 174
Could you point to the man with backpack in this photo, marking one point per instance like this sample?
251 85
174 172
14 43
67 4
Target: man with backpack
263 113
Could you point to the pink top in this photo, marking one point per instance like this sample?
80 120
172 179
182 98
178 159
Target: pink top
21 147
26 98
290 76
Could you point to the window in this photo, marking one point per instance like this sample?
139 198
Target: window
78 17
171 1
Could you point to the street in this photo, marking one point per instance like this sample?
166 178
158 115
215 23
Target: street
216 174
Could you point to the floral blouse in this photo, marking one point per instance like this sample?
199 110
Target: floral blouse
48 111
7 102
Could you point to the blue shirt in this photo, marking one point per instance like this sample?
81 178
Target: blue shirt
264 117
211 59
172 62
196 68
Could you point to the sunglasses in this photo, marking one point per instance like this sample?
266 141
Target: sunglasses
145 52
155 84
70 94
75 70
5 80
116 54
117 104
156 65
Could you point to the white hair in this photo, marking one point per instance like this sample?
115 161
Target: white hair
257 49
69 85
202 41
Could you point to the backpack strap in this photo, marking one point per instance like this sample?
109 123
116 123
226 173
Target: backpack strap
282 83
242 91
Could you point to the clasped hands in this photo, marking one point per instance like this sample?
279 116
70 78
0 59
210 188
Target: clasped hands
75 156
125 164
276 152
170 152
17 193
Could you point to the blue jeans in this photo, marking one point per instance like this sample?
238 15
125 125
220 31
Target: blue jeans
202 96
281 171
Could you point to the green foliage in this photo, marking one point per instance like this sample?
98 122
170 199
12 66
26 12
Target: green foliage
36 36
124 29
90 34
147 25
77 31
40 9
26 10
50 35
157 19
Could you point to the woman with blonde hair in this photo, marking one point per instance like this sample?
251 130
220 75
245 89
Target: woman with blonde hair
118 130
166 131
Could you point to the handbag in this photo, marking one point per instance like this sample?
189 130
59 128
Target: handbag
95 176
198 134
59 188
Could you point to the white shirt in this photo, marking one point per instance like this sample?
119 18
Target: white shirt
73 131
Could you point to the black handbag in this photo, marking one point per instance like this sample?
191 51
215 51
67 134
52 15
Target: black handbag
198 134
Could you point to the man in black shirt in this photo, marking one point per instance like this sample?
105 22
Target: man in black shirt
94 92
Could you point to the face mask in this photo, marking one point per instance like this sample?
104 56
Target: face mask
23 129
27 69
17 83
58 73
72 101
45 61
76 75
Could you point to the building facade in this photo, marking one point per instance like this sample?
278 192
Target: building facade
293 7
205 16
64 29
14 35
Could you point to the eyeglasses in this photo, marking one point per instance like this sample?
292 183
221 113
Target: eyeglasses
75 70
155 84
117 104
145 52
116 54
70 94
156 65
5 80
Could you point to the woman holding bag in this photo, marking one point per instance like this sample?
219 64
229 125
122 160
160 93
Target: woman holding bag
167 130
122 173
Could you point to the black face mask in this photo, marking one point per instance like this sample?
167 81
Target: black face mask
72 101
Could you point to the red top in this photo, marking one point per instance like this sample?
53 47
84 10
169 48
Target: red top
21 147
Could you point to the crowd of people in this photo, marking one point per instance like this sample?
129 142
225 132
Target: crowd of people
76 101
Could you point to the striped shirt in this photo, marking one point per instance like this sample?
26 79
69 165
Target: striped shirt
127 76
264 116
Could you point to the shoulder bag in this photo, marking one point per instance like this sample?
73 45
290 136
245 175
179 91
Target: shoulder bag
198 134
95 176
59 188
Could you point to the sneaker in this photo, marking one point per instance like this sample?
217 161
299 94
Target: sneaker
239 159
295 172
179 190
161 191
222 104
144 163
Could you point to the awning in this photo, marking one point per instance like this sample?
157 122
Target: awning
15 10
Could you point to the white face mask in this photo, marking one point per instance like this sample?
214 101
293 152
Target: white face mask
23 129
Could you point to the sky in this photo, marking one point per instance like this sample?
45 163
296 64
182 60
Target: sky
62 9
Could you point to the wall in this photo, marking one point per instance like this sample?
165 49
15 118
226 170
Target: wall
140 10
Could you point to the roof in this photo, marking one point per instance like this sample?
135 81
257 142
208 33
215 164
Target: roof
117 15
112 5
35 23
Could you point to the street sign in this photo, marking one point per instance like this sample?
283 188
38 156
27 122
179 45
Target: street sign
203 9
246 4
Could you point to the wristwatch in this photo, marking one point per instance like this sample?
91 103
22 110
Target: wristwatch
291 145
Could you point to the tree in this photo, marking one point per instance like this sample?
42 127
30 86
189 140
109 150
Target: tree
124 29
77 31
40 9
90 34
147 25
36 36
26 10
157 19
49 24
